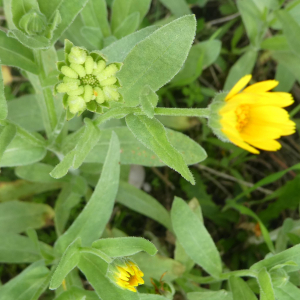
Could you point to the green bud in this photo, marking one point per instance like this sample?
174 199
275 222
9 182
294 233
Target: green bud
279 277
111 93
33 22
109 81
88 93
108 72
77 55
89 65
100 98
76 92
99 67
76 104
79 69
67 71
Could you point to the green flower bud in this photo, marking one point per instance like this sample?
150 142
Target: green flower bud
279 277
77 56
33 23
80 76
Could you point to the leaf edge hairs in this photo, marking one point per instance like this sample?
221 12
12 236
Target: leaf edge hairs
252 116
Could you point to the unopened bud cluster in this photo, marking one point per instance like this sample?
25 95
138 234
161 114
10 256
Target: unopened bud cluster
87 81
33 23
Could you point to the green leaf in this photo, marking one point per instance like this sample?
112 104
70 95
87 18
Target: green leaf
118 247
151 297
240 289
94 269
68 262
194 238
291 29
17 249
157 59
68 10
243 66
153 135
121 10
134 152
3 104
20 153
6 136
265 283
75 158
210 295
17 216
117 51
76 293
29 284
91 222
285 78
20 7
94 14
143 203
148 100
155 266
292 254
178 8
205 53
287 292
38 172
247 211
13 53
128 26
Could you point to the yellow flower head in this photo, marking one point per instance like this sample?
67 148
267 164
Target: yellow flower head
125 273
254 116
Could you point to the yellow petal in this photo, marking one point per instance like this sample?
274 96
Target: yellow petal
278 99
262 86
238 86
131 288
257 132
269 145
266 114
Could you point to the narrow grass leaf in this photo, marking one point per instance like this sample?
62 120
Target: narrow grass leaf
194 238
3 104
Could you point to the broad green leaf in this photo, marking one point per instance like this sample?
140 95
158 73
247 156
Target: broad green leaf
117 51
292 254
121 10
91 222
17 249
94 269
3 104
20 153
134 152
143 203
155 266
181 256
13 53
75 158
247 211
68 262
210 295
17 216
22 189
290 29
243 66
94 14
151 297
148 100
20 7
128 26
29 284
6 136
205 53
265 283
118 247
178 8
276 43
38 172
287 292
76 293
68 10
194 238
285 78
240 289
153 135
157 59
282 237
93 35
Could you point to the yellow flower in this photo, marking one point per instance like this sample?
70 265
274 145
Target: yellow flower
125 273
255 117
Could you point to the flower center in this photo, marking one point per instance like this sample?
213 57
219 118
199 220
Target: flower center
90 80
242 114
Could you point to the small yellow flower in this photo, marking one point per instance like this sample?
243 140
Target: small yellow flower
254 116
125 273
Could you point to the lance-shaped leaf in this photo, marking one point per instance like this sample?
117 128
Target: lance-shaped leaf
178 8
29 284
6 136
13 53
68 262
194 238
128 26
210 295
287 292
153 135
91 222
156 59
94 269
3 104
148 100
265 284
118 247
17 216
240 289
